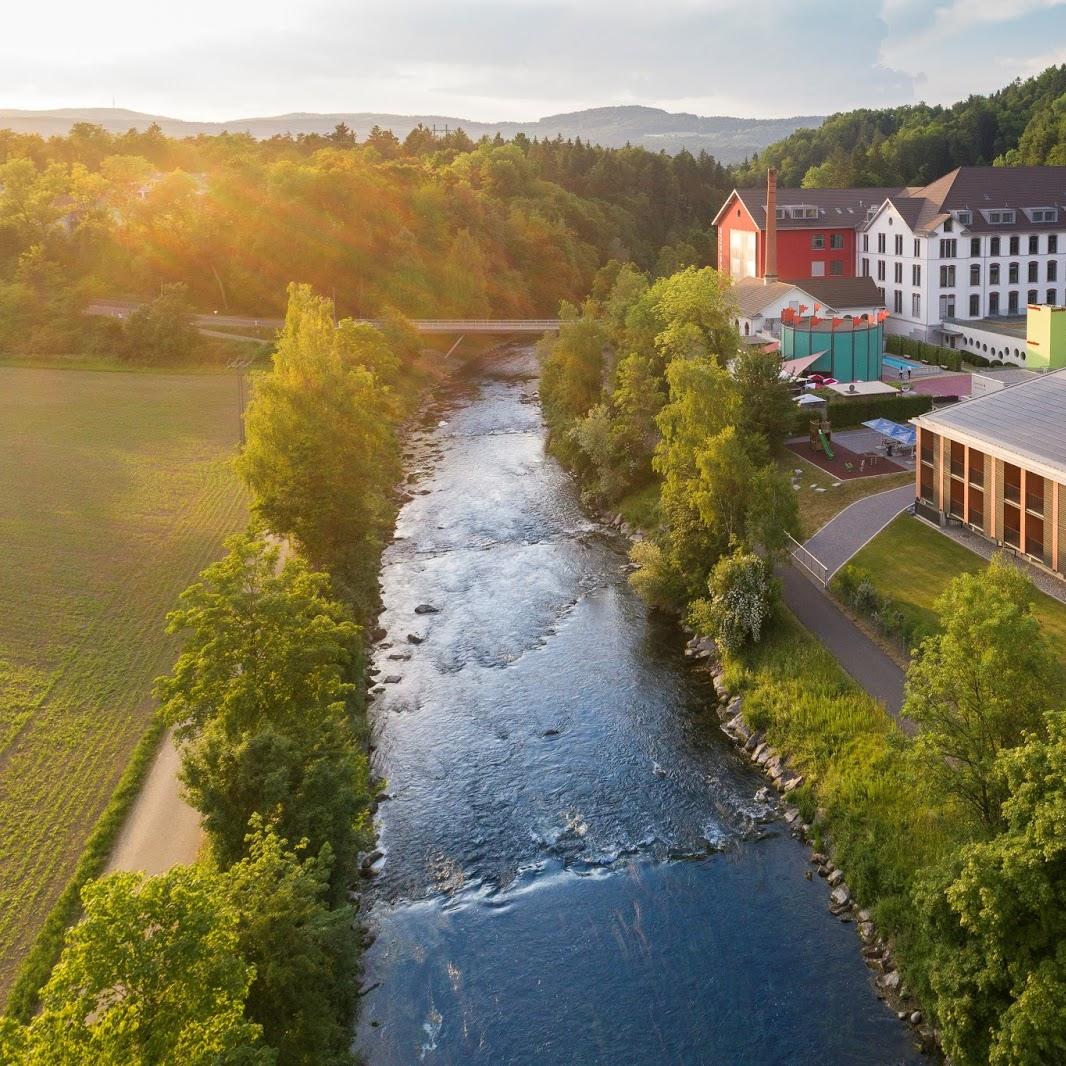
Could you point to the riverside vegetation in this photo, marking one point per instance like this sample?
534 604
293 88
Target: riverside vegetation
951 840
251 956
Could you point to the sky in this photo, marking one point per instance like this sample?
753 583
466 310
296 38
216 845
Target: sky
517 59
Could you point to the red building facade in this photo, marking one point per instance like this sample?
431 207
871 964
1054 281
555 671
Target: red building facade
816 232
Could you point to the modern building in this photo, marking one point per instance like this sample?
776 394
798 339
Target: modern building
997 463
980 243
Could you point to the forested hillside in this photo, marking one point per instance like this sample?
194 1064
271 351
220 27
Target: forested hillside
428 226
1025 123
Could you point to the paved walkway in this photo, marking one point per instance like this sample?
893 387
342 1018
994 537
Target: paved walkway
848 644
841 537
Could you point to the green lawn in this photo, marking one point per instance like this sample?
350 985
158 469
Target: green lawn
117 490
817 507
911 564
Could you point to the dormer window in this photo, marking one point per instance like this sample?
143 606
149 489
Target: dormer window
1043 214
999 218
948 225
964 218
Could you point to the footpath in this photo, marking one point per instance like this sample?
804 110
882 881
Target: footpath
834 544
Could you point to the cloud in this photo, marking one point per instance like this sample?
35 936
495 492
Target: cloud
507 59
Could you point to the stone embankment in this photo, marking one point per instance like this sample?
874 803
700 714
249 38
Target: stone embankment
876 951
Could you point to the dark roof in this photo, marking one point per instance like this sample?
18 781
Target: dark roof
837 208
842 293
978 189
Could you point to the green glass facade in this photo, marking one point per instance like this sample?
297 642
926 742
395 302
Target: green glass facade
851 354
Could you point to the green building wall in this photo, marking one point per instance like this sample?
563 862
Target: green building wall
851 354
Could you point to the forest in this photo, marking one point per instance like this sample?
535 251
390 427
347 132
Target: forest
430 226
1023 124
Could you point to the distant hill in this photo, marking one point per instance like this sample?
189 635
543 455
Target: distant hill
728 139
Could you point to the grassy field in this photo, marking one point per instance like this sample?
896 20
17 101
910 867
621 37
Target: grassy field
816 508
911 564
116 490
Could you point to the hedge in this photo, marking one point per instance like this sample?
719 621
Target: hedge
930 353
843 414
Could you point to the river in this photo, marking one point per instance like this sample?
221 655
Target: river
576 869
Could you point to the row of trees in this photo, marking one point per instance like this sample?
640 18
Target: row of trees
650 386
251 957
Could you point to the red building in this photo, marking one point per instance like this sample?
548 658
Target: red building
815 231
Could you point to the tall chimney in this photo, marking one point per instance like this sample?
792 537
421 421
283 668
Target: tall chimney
770 257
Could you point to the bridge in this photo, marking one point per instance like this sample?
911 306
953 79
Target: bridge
217 325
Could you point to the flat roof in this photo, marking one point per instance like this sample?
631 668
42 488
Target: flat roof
1026 421
1009 375
862 388
1010 327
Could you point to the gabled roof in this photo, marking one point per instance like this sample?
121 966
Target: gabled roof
753 295
1025 421
843 294
980 189
837 208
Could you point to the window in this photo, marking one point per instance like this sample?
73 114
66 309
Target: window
1052 243
817 268
948 226
1034 244
866 268
836 268
1044 214
881 294
993 246
880 270
1012 274
1014 244
1000 218
975 274
964 217
1051 297
916 274
897 273
897 302
993 273
917 248
1031 297
993 303
947 249
916 305
1012 303
975 246
899 244
818 241
947 277
947 306
881 243
975 306
1052 270
836 240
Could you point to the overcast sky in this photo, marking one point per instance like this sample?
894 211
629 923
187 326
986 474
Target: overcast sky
517 59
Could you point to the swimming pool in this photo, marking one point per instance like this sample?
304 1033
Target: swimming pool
897 362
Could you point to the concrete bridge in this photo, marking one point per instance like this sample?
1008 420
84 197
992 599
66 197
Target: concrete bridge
217 325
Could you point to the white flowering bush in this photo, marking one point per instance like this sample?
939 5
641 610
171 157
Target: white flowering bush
743 593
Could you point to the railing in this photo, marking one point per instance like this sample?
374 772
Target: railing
808 561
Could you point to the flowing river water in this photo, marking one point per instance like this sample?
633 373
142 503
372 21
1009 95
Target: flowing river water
576 869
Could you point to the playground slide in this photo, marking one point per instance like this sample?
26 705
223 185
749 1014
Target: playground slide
825 444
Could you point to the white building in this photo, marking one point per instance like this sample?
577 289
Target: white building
979 243
759 302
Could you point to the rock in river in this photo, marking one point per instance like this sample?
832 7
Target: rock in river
427 608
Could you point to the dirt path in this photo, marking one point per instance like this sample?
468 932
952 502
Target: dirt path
161 830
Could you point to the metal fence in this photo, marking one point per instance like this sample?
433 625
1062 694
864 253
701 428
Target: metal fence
807 561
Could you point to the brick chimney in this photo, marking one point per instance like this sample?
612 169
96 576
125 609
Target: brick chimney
770 253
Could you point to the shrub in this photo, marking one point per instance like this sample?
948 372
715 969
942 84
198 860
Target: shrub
743 594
